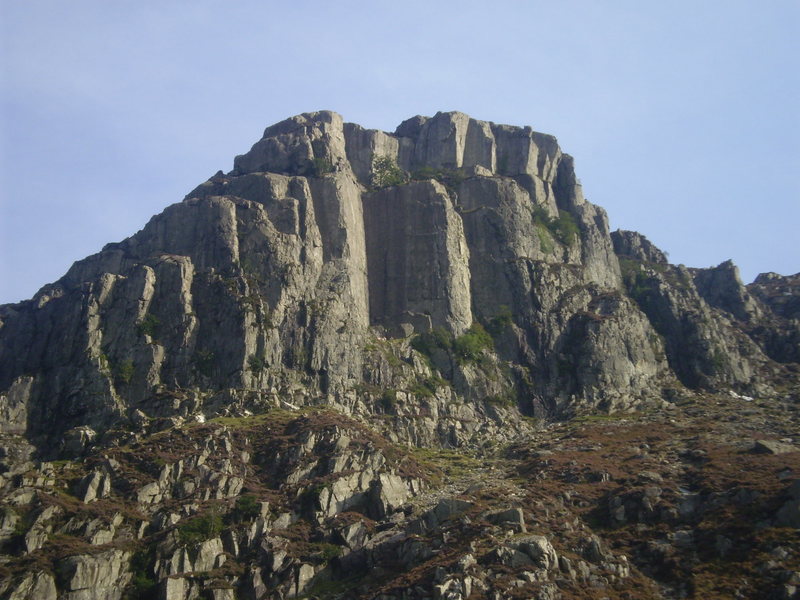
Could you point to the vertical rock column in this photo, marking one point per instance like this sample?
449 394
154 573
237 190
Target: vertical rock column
417 260
312 145
341 291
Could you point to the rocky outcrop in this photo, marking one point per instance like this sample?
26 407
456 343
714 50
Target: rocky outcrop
417 261
635 246
781 294
699 314
35 586
721 287
294 255
94 577
297 252
778 329
303 380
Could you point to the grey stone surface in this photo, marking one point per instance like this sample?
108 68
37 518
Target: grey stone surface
513 517
773 447
539 549
35 586
293 257
417 260
633 245
95 577
722 288
292 281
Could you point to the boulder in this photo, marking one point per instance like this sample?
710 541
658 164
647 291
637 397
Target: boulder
539 549
35 586
512 517
100 576
773 447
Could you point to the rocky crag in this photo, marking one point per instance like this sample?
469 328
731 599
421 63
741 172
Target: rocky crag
409 365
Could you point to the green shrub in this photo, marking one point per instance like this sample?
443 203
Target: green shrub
566 229
470 346
149 325
321 166
200 528
386 173
247 508
256 363
425 388
563 228
326 551
144 587
546 244
436 381
501 321
143 584
123 372
540 215
389 400
467 347
427 342
636 280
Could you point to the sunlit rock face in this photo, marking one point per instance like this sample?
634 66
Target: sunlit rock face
277 275
344 361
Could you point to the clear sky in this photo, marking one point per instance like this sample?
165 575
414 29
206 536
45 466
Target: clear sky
683 116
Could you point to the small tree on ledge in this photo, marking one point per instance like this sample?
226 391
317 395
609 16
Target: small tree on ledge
386 173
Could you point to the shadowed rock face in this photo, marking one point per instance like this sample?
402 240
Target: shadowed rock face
329 373
417 259
272 278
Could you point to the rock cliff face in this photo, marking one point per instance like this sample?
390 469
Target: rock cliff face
282 269
342 295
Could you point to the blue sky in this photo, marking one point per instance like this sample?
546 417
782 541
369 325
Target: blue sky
682 116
